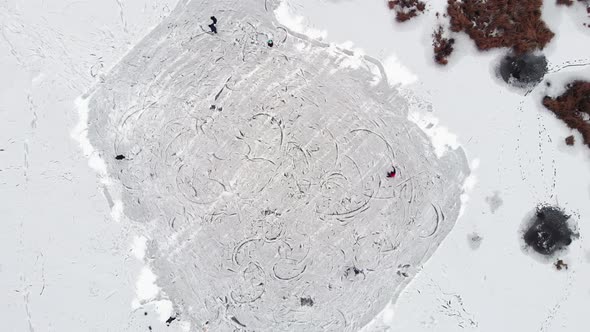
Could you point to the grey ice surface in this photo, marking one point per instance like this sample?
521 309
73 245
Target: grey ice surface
270 210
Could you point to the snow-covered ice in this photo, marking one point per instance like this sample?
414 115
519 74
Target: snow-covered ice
247 165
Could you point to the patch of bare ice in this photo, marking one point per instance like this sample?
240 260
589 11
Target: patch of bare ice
259 174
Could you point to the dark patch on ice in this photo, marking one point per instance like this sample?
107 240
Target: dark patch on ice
523 70
306 301
570 140
120 157
145 313
474 240
549 230
353 272
402 270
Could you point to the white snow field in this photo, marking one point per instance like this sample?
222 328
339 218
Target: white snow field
259 174
65 262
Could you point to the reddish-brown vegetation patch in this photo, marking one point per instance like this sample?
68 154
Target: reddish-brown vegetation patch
573 107
570 2
565 2
501 23
406 9
443 47
570 140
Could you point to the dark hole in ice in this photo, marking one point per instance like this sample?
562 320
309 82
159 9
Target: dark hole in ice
120 157
145 313
306 301
549 231
523 70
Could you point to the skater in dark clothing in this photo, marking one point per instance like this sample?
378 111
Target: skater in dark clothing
212 25
391 174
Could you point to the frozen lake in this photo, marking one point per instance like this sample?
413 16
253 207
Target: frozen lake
152 171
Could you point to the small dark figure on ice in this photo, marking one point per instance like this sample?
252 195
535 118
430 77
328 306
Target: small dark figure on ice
392 173
212 25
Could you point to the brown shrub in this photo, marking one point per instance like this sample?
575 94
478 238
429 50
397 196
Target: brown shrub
573 107
406 9
501 23
443 47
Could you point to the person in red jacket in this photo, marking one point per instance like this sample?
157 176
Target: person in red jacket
392 173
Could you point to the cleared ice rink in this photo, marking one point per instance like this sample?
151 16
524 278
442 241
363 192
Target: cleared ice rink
260 173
